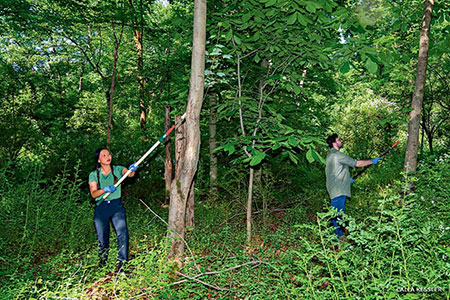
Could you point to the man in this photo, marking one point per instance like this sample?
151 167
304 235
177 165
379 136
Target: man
338 175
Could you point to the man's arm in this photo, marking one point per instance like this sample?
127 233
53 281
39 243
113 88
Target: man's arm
363 163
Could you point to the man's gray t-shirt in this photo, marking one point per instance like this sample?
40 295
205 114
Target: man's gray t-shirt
338 173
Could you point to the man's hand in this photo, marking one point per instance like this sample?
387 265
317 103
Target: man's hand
109 189
375 160
352 180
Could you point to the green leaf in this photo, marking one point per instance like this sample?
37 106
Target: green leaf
302 19
291 19
371 66
229 35
229 148
237 40
296 89
307 140
257 158
293 141
311 7
293 158
270 3
247 17
309 156
317 156
345 68
276 146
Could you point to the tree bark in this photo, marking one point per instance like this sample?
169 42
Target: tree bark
410 164
110 93
190 207
168 166
138 36
212 145
185 172
249 204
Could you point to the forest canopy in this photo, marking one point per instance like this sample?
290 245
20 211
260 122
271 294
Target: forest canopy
262 83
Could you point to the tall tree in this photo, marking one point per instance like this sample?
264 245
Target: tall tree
168 166
110 92
184 175
138 35
410 163
213 143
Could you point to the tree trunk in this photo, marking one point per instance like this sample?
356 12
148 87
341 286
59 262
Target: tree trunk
110 93
138 35
212 145
410 164
185 172
249 205
168 166
190 207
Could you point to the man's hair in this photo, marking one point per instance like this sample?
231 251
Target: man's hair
332 139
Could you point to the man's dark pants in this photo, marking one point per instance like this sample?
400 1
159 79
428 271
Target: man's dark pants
339 204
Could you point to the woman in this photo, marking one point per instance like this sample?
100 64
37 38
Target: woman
102 181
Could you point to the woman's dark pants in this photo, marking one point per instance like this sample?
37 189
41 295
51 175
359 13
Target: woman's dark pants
115 212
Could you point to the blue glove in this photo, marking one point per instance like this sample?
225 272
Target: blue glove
375 160
133 167
352 180
109 189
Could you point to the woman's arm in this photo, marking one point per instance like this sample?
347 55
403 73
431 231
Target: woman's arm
126 170
95 192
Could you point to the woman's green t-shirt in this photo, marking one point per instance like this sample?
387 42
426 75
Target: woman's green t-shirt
107 180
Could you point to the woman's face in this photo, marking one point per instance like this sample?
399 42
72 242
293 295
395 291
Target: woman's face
105 157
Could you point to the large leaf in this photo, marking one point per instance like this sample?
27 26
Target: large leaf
345 67
257 158
293 141
309 156
291 19
229 148
317 156
371 66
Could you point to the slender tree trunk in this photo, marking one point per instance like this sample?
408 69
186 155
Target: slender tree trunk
190 207
212 145
113 81
168 166
249 204
185 172
138 36
414 122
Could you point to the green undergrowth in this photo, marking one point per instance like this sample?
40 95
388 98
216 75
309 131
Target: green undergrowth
397 249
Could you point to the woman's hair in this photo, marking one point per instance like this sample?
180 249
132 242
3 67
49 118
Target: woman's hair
97 166
331 139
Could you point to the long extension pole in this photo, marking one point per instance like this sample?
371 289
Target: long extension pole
383 154
146 154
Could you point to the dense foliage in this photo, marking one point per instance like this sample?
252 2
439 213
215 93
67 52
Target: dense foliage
280 76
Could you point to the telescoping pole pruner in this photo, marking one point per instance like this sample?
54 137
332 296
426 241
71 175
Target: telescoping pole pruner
383 154
145 155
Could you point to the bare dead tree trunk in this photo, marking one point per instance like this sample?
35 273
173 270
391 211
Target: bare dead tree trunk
190 207
212 145
185 171
138 36
410 164
168 166
113 81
